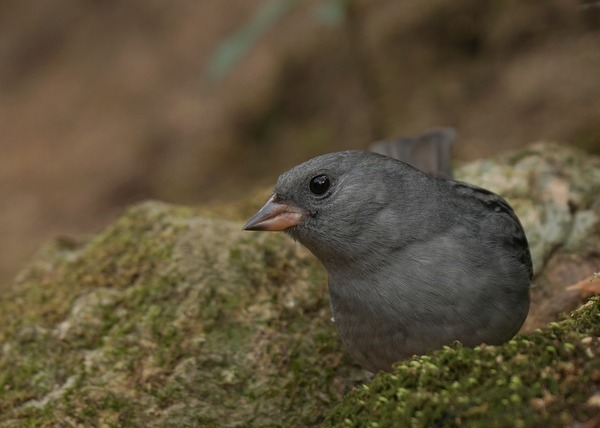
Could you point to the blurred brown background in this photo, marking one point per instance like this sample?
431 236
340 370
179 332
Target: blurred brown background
103 103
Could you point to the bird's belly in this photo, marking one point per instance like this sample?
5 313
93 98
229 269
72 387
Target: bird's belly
378 334
377 345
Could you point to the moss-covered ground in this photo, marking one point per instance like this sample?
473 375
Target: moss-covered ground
170 319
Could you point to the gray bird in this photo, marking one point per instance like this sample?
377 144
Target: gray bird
414 262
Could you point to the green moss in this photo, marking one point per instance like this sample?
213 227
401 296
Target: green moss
169 319
540 379
38 356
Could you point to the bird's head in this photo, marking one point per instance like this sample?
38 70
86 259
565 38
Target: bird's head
337 205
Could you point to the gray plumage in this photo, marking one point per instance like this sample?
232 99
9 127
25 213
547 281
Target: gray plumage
414 262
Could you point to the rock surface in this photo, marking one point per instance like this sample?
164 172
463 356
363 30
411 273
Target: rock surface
175 317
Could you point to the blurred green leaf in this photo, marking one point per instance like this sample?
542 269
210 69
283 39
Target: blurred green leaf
332 12
235 47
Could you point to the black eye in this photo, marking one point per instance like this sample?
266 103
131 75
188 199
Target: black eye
320 184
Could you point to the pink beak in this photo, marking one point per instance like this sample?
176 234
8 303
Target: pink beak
275 216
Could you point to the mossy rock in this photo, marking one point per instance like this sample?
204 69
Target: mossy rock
170 319
175 317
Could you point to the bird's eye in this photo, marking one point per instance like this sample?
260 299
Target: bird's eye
319 184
